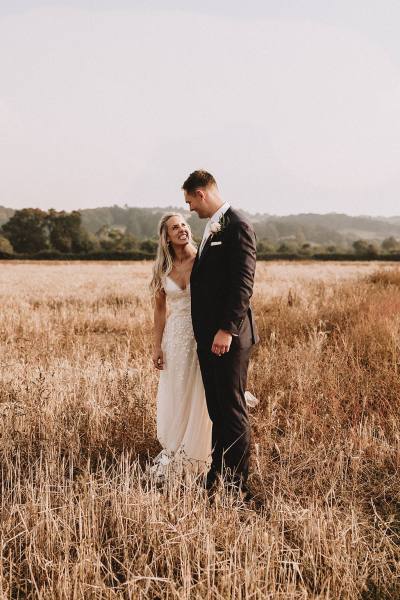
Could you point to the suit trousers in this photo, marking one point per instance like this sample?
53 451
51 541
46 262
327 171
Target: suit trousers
225 379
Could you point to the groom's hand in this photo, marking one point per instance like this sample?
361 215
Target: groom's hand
222 342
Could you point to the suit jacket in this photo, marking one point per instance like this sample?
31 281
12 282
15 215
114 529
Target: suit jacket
221 283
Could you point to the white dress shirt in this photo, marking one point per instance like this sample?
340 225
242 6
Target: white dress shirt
214 219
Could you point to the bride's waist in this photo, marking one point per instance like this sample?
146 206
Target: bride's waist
181 314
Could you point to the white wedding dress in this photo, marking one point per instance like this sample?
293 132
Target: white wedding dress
183 424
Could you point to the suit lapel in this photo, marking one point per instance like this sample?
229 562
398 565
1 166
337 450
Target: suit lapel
207 245
196 260
203 252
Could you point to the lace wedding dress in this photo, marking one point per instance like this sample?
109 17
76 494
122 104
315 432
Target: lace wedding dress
183 424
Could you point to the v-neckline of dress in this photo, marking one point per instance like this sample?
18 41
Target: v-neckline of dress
177 284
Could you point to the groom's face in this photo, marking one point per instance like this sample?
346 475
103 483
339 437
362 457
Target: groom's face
196 202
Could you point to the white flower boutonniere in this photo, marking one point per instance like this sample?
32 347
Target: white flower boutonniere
215 228
218 226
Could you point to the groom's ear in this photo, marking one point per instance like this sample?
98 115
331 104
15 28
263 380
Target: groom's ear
200 194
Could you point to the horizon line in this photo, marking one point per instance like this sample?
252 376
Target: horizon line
184 209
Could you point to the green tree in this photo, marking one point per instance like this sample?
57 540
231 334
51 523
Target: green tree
306 249
67 233
265 247
89 242
331 249
149 246
114 239
373 249
27 230
5 245
390 244
288 247
364 248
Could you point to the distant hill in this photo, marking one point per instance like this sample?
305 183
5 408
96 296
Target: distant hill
332 228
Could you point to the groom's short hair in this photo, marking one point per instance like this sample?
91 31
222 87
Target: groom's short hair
198 179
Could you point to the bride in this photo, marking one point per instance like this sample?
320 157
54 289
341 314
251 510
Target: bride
183 424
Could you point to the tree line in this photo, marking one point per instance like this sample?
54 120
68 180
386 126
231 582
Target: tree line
32 232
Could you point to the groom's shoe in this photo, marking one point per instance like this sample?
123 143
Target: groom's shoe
244 494
211 485
210 481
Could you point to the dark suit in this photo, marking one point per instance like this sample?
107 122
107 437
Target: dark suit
221 285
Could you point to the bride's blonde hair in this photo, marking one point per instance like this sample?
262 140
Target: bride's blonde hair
165 253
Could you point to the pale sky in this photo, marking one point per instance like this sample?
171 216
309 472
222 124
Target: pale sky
294 105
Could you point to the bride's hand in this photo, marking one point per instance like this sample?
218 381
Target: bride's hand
158 359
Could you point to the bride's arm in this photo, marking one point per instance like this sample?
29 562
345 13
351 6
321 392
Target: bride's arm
160 312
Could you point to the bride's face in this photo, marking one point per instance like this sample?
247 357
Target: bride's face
178 231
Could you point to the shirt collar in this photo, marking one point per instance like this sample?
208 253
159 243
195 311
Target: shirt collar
221 211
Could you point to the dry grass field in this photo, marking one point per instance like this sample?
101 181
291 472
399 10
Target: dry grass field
79 518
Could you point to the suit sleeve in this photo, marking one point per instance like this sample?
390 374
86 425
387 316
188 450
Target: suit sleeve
242 266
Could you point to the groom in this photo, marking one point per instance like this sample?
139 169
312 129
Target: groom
221 285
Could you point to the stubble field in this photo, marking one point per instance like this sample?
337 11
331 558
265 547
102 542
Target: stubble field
81 520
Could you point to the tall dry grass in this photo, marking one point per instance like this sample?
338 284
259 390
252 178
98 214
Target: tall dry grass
80 519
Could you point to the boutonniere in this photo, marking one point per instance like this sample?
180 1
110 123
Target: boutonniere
218 226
